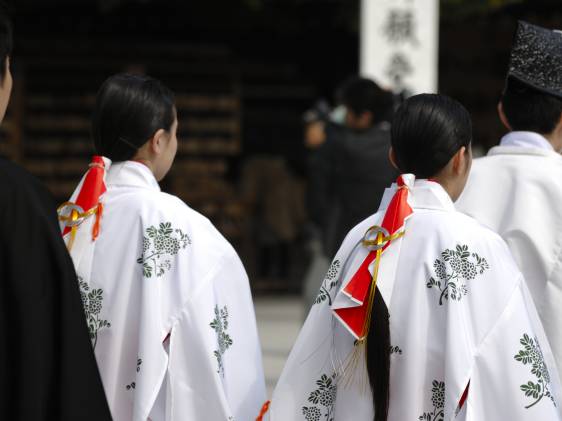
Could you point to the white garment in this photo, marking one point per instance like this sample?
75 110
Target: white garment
526 140
517 192
169 308
459 311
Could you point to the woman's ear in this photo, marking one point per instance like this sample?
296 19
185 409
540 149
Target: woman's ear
461 160
392 158
158 142
503 118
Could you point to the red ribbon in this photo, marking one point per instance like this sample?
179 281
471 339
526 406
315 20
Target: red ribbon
92 188
464 396
263 411
360 284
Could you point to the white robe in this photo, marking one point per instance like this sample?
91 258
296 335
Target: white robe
169 308
484 329
517 191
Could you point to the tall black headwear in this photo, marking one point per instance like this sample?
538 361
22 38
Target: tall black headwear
536 58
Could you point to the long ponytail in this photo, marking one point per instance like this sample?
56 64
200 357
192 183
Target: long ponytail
378 357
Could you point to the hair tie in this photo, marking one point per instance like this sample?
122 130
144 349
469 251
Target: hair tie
126 142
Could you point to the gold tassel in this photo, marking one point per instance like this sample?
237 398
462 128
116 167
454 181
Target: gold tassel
76 217
359 353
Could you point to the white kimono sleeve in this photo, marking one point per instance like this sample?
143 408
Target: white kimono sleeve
311 361
514 376
308 387
215 367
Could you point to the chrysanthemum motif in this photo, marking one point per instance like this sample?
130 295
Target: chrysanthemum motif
532 354
452 281
440 269
481 263
468 270
438 394
323 398
158 246
159 243
95 304
333 270
171 245
145 244
224 341
438 402
92 300
456 263
84 288
133 385
328 396
329 283
395 350
311 413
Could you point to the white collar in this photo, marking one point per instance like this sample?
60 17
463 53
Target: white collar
526 140
424 194
131 173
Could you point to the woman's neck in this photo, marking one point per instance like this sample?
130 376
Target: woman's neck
450 186
144 162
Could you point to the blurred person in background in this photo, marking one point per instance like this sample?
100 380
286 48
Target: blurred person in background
275 200
317 121
167 299
47 367
351 169
517 188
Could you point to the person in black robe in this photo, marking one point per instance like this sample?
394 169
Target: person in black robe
47 367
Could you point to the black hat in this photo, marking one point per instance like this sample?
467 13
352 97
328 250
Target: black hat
536 58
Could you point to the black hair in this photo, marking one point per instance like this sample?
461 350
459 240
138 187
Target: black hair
6 39
427 130
529 109
361 95
378 357
129 110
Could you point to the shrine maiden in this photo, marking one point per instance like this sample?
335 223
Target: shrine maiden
517 189
450 331
166 297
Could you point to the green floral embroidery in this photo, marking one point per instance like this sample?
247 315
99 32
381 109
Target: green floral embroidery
532 354
438 401
220 325
323 398
133 384
451 281
93 303
395 350
330 281
158 244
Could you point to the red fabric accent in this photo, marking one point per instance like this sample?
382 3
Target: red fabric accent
92 188
96 228
360 284
263 411
464 396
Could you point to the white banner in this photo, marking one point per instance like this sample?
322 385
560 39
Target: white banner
399 44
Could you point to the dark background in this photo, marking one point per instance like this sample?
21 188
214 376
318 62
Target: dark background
243 71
